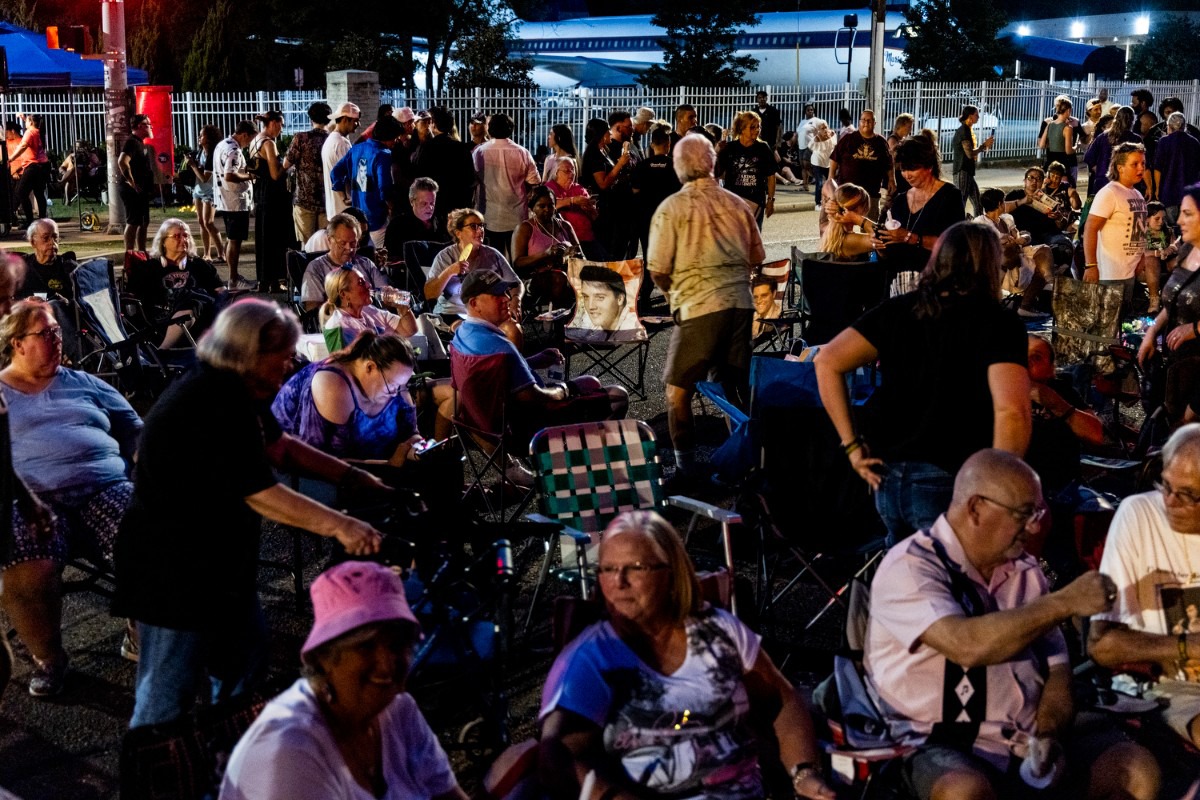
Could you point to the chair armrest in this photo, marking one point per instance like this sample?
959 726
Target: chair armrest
722 515
577 535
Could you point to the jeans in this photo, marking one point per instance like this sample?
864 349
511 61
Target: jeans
912 496
172 664
820 175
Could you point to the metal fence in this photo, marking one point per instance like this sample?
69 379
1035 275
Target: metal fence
1012 110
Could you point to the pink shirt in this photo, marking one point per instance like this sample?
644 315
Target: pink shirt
910 592
580 221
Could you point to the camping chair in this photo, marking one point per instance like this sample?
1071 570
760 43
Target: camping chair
297 264
480 384
590 472
418 261
608 344
183 305
774 333
782 451
130 362
833 294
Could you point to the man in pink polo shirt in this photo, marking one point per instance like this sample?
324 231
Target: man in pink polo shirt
965 658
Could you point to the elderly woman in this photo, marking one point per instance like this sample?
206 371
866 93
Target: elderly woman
924 212
575 205
466 254
205 469
841 240
348 311
953 362
174 280
746 166
48 276
1177 325
659 699
346 729
73 439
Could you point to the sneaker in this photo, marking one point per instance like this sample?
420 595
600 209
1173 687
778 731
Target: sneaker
241 284
129 648
1029 313
518 475
48 679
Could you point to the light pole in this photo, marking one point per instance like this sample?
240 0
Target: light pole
116 104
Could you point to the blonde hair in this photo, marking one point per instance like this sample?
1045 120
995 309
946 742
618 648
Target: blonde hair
684 599
16 324
742 119
847 195
336 282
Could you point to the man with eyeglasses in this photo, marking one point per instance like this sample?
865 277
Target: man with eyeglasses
965 657
1153 555
337 144
344 235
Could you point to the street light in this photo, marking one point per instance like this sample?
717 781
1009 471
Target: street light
1141 26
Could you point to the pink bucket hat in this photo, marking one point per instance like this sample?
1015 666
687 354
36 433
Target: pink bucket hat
352 594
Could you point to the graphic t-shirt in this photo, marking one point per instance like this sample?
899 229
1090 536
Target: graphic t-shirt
866 162
745 169
684 735
1122 241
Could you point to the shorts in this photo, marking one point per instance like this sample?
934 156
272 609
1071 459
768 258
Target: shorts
586 407
719 341
137 206
237 224
85 524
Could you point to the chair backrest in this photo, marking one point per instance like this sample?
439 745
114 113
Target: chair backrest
297 264
836 293
481 385
777 271
590 472
1087 319
96 292
421 254
604 313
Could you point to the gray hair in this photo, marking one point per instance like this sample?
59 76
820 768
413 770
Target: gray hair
37 225
1175 121
163 230
422 185
1185 438
342 221
694 157
245 330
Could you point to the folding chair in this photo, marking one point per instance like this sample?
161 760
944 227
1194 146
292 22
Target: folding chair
774 325
834 294
605 329
590 472
480 384
418 261
297 264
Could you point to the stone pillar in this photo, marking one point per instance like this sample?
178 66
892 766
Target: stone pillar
357 86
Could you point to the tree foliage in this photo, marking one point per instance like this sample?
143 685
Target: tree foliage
1168 53
213 62
698 49
482 54
20 12
955 40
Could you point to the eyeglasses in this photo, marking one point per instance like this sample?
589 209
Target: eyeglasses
475 226
48 237
1025 516
1182 495
177 235
634 572
50 334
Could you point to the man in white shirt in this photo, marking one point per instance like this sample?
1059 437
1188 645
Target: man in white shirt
231 196
505 171
345 122
1114 239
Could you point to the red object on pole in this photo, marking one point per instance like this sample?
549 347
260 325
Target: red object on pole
52 37
155 102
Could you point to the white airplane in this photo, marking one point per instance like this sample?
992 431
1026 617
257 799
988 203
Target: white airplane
792 48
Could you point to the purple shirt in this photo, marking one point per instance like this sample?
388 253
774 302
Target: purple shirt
1177 158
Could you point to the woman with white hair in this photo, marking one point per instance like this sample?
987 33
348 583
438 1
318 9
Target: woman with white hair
205 472
173 280
47 275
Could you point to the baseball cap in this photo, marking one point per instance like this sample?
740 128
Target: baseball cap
484 281
404 114
319 112
424 114
353 594
347 110
643 115
479 119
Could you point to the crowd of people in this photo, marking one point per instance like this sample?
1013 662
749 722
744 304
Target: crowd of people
969 439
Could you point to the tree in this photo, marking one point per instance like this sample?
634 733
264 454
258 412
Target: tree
698 49
212 64
955 40
482 55
1168 53
20 12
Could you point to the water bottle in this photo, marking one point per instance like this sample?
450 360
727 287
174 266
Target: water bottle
505 569
555 371
391 296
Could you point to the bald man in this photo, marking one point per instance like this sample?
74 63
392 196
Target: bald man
1153 555
964 652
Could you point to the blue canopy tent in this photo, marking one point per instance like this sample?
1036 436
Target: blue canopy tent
1071 60
31 64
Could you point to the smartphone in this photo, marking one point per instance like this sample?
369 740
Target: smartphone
426 445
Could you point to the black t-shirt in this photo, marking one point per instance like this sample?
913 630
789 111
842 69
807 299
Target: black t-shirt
655 180
448 163
187 551
145 280
1039 227
962 163
595 161
770 124
866 162
405 227
1054 448
745 170
48 279
140 165
941 211
934 404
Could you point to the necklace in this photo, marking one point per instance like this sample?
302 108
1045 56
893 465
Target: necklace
550 233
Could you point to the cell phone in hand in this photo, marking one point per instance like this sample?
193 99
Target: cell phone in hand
424 446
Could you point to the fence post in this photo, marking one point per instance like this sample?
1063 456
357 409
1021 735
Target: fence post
917 109
189 113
